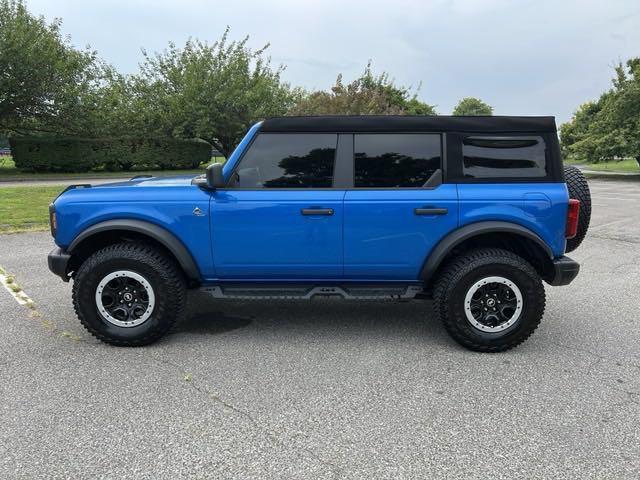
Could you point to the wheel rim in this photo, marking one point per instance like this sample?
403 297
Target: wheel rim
493 304
125 298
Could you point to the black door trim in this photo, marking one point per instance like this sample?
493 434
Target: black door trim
343 167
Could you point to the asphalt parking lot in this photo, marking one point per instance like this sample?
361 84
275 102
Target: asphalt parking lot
330 389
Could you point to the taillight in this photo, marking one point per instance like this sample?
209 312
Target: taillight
53 221
572 218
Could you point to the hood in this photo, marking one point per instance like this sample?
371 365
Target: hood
177 180
106 191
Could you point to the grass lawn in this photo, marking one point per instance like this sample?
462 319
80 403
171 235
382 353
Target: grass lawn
628 165
572 161
25 209
9 172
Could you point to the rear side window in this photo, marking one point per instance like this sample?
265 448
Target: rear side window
288 160
395 160
504 157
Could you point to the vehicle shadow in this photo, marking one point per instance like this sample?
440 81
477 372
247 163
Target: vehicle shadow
316 318
212 322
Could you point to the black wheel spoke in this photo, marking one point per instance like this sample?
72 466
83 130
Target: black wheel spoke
492 304
124 299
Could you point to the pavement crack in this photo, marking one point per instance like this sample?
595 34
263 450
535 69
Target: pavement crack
633 397
578 349
614 238
336 470
593 365
598 357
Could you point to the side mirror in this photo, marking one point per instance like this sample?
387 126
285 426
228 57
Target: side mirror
214 176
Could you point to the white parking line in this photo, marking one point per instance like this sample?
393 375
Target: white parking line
14 289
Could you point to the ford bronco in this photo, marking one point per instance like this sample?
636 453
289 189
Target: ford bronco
471 212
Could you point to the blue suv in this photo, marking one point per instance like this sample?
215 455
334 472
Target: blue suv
471 212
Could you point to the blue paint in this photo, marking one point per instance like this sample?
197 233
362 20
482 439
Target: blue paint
166 202
262 233
257 235
383 237
540 207
239 151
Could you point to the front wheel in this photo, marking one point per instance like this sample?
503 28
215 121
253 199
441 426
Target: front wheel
129 294
489 300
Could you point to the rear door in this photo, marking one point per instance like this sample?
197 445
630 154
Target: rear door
281 217
398 208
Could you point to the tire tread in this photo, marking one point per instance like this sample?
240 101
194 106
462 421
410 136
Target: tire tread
461 266
579 189
166 268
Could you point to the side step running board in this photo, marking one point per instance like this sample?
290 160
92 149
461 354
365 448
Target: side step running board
355 292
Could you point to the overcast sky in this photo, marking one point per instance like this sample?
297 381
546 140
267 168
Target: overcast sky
528 57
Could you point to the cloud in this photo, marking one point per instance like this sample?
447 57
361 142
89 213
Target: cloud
523 57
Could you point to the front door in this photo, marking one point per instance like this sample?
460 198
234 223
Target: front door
398 209
280 218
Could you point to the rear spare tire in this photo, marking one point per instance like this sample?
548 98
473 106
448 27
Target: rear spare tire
578 189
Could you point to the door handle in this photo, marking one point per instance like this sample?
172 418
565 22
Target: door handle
430 211
317 211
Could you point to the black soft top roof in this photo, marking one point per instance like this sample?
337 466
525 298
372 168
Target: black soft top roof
407 123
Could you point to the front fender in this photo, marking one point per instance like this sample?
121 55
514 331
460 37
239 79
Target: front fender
159 234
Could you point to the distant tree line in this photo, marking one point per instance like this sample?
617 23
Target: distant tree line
207 91
608 128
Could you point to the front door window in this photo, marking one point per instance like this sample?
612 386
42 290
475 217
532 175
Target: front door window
279 160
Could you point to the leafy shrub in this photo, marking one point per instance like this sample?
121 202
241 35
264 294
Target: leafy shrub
57 154
150 153
52 154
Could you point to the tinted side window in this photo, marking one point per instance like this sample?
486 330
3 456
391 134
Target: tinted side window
504 157
395 160
288 160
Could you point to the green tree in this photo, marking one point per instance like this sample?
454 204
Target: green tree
578 128
414 106
368 94
620 114
472 106
608 129
110 108
208 91
41 75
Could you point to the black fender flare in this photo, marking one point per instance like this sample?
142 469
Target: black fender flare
448 243
160 234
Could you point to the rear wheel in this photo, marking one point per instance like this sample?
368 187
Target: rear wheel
129 294
489 300
578 189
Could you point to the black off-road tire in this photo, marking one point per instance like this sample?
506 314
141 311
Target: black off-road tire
459 276
161 272
578 189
